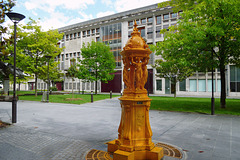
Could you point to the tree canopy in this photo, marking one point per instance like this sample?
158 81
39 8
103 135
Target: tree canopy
206 28
34 44
97 64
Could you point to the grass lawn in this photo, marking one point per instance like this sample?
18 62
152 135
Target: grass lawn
67 98
198 105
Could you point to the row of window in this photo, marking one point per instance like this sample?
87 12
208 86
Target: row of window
159 19
84 34
85 85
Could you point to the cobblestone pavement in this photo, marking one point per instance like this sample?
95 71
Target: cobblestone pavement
50 131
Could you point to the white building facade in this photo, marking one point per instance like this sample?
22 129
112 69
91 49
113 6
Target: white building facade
115 30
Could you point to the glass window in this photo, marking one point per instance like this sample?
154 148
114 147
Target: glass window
93 31
88 32
97 39
66 85
173 15
219 85
159 19
193 85
166 16
130 23
210 85
142 31
202 85
138 21
143 21
84 33
182 85
97 30
149 19
79 34
159 85
234 79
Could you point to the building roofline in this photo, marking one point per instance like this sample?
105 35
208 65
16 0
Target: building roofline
116 16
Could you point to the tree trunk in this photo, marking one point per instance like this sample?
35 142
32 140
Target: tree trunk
175 88
96 84
72 88
5 85
35 85
223 86
19 84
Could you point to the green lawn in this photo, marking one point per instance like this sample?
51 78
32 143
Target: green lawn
67 98
198 105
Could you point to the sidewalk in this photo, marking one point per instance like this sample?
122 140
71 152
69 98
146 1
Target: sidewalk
66 131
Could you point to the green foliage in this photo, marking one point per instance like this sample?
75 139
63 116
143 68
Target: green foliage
5 6
72 70
53 89
97 64
32 47
207 27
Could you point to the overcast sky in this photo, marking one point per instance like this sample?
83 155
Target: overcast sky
59 13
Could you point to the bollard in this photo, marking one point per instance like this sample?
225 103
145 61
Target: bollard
82 91
148 93
110 94
91 96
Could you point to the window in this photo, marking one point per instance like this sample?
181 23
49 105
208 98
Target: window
138 21
78 54
70 54
129 34
150 33
93 31
234 79
159 19
166 16
62 57
159 85
219 85
209 83
130 23
143 21
193 85
97 39
88 32
97 30
79 34
84 33
149 19
182 85
158 29
142 31
67 36
173 15
71 36
66 85
202 85
75 35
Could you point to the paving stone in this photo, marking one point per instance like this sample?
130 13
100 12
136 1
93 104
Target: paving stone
50 131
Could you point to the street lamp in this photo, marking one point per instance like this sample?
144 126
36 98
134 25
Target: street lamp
48 57
15 18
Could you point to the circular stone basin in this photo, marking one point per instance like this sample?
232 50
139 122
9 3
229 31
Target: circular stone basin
170 152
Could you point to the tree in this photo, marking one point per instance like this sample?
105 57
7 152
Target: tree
54 72
5 6
97 64
34 44
72 71
173 69
208 34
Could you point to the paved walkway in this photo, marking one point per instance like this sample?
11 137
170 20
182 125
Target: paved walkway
66 131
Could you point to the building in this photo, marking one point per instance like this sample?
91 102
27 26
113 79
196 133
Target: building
115 31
